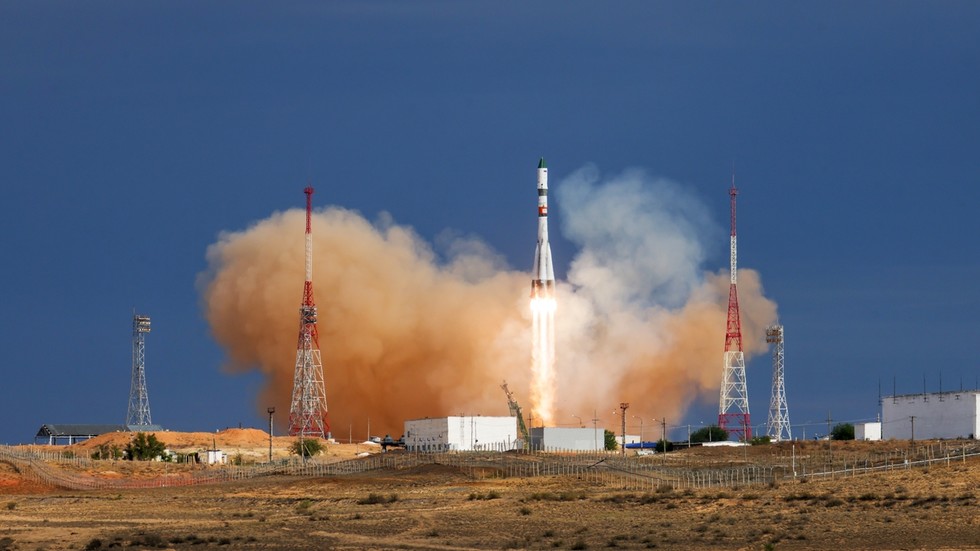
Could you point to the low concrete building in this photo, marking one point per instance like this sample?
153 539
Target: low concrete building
931 415
462 433
570 439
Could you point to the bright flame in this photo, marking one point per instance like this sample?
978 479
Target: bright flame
543 360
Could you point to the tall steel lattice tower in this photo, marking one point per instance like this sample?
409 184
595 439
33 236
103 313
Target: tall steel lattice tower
777 426
733 408
139 401
308 409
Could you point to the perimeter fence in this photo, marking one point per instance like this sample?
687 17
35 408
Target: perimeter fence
636 473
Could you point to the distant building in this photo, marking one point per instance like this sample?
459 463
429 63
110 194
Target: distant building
213 457
631 439
867 431
461 433
570 439
70 433
931 415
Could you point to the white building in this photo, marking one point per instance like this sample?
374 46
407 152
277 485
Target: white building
461 433
867 431
571 439
935 415
213 457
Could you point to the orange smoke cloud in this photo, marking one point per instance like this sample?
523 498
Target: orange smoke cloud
401 337
404 335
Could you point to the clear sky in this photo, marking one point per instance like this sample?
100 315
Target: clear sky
131 134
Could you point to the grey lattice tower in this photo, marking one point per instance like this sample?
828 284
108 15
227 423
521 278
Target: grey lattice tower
139 400
777 427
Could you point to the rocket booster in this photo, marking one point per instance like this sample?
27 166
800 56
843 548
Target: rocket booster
543 282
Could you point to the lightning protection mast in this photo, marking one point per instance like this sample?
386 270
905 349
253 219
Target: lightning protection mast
777 426
139 401
308 409
733 408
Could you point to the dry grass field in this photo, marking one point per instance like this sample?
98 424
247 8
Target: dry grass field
441 507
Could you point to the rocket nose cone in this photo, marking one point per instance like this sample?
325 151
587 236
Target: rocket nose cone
541 163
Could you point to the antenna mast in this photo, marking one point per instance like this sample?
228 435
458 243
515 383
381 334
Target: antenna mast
308 409
733 407
139 400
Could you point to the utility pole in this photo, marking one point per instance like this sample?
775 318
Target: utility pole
623 406
595 430
271 410
912 419
830 438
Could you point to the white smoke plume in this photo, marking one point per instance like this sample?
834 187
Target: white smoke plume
640 320
406 336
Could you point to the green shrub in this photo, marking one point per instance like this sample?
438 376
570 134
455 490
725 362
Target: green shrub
307 447
712 433
610 440
144 448
842 431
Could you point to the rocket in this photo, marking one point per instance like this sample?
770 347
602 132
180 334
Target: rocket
543 282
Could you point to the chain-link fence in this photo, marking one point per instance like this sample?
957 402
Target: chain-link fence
646 473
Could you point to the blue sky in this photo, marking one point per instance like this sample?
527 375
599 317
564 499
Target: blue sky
133 133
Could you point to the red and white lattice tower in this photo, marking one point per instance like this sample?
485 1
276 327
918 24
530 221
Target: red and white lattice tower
733 408
308 409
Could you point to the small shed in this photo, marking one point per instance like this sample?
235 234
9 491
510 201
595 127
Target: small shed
867 431
214 457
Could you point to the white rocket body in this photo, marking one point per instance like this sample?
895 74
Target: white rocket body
543 282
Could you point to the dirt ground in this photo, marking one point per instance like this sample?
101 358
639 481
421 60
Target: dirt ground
438 507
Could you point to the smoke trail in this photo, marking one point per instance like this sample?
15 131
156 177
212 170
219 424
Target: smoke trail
406 336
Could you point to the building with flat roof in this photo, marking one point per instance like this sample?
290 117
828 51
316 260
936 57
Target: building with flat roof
568 439
929 416
462 433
